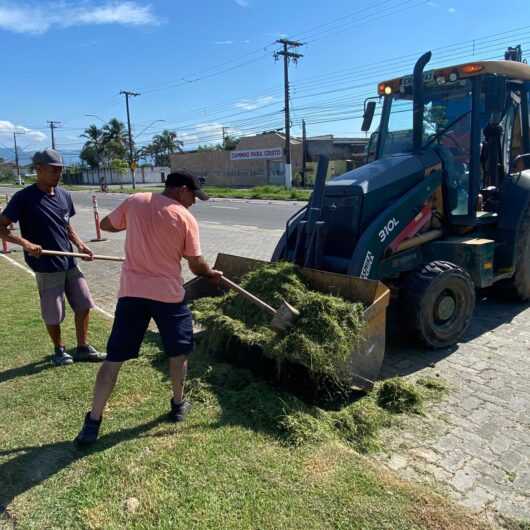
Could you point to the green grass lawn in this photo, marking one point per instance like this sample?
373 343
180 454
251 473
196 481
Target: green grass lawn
227 466
260 192
279 193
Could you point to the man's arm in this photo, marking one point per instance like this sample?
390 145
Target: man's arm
200 267
5 233
73 236
107 226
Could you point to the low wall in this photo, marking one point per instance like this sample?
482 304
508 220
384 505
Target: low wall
143 175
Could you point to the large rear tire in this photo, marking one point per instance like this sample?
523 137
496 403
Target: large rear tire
521 277
438 302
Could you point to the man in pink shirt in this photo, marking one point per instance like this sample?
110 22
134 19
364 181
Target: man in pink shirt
160 232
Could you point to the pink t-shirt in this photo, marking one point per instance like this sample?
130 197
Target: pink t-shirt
160 231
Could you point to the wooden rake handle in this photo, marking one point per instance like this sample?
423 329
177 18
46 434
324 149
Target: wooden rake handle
249 296
79 255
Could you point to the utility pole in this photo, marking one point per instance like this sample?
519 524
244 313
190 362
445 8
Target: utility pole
304 152
53 125
287 57
19 180
132 163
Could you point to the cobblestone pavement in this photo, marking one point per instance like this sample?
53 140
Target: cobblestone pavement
475 443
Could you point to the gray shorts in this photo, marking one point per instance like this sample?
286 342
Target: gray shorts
53 286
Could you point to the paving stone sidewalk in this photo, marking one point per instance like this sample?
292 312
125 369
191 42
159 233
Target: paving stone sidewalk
475 443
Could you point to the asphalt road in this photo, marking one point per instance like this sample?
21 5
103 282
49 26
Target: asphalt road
232 212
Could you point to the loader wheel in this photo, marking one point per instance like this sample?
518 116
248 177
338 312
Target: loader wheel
439 301
521 277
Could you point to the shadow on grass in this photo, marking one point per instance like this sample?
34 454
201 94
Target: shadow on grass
33 465
28 369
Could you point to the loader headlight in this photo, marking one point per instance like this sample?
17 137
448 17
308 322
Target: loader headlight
385 89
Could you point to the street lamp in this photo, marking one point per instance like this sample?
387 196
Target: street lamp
95 116
148 127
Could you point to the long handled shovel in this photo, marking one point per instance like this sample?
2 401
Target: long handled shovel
282 318
79 255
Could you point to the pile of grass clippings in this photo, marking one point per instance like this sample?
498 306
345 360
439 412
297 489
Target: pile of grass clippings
398 395
325 334
295 423
322 339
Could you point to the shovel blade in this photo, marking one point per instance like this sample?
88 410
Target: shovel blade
285 317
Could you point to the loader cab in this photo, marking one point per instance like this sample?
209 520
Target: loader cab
475 118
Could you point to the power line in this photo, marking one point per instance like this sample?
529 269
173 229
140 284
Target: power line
219 70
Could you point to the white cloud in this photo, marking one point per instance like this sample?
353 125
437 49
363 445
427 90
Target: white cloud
207 133
251 104
38 19
451 10
433 4
223 42
241 3
7 129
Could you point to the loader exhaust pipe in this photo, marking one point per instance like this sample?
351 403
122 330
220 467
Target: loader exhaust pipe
418 101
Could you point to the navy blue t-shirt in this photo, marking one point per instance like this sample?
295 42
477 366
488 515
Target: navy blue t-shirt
43 220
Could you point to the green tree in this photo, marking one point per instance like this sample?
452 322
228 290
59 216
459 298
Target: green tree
149 152
92 151
115 140
90 155
161 147
229 143
165 144
208 147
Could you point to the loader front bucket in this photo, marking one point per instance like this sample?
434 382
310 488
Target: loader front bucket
365 362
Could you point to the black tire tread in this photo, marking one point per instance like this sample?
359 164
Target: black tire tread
415 288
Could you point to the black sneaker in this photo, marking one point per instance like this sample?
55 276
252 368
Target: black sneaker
89 432
89 353
179 410
60 357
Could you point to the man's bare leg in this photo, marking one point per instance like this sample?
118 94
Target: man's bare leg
81 327
178 368
54 331
105 381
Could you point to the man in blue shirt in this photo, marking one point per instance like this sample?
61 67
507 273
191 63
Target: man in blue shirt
43 212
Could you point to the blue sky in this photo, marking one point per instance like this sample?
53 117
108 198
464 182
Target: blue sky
206 64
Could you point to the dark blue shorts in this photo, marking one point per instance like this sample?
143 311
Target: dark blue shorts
132 318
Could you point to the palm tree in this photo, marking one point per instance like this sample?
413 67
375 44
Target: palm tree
93 148
115 130
115 139
147 152
167 143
